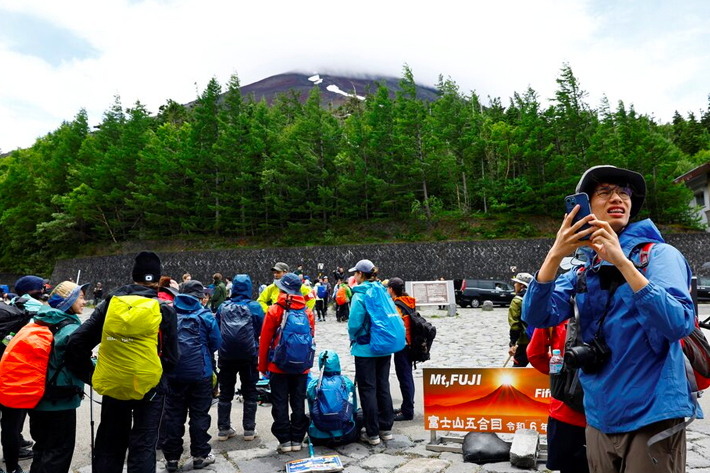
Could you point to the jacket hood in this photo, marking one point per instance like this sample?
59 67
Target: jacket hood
184 303
296 300
241 288
362 287
408 300
332 362
50 316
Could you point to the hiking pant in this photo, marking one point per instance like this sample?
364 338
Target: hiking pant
403 368
627 452
566 447
11 425
248 375
195 397
289 390
132 426
54 433
373 386
342 312
321 308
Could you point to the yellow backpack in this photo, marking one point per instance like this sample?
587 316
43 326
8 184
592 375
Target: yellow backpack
128 365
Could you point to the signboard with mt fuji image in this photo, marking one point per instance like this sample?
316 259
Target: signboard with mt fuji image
486 399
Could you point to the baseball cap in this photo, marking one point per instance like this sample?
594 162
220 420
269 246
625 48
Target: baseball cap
395 283
280 267
364 266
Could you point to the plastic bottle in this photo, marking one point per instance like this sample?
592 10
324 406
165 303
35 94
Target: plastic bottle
8 338
556 362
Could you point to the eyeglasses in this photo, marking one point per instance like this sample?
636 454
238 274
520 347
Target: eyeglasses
606 192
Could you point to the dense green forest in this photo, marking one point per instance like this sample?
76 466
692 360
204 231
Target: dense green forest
294 173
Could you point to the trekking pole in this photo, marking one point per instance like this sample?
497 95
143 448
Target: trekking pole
91 416
506 361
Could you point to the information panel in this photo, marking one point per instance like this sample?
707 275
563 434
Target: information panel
431 292
486 399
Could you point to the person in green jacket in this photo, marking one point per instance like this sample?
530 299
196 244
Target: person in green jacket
271 294
519 339
220 292
53 420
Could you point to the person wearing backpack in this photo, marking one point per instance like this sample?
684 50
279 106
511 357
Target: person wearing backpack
402 362
518 345
53 419
286 350
272 293
190 384
240 320
322 292
332 404
220 292
342 297
632 318
566 444
138 337
376 330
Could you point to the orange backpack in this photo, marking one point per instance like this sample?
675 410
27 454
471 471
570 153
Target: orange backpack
24 365
341 297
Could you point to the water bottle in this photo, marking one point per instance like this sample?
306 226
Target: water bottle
6 340
556 362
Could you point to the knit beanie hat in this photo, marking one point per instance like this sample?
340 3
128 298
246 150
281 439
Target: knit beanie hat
147 267
65 294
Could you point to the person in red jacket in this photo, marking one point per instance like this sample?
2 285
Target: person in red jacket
566 443
286 389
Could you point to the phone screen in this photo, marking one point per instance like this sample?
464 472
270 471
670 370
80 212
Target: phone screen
581 199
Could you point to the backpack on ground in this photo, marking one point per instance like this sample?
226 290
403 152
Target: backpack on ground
237 328
384 326
332 409
295 351
341 297
322 292
12 319
191 365
24 365
421 335
129 365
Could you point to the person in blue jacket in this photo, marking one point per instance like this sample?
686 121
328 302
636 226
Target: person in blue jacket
240 319
632 319
329 364
190 385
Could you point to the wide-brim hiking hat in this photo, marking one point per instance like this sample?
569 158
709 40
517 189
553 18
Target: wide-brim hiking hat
290 284
193 288
65 295
593 176
364 266
523 278
283 267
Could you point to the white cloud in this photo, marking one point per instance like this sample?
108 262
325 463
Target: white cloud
156 50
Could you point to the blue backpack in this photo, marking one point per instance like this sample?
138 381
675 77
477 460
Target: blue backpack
332 409
237 328
386 327
191 366
322 291
295 350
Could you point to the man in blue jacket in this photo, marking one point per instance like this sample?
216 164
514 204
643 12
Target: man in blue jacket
191 382
632 319
239 319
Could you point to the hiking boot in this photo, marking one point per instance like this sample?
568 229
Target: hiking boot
171 465
250 435
25 453
26 443
370 440
284 447
295 446
199 463
17 470
227 434
386 435
400 417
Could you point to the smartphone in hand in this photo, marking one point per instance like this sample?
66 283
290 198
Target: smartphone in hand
581 199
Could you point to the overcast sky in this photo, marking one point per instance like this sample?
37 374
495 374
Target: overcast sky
57 57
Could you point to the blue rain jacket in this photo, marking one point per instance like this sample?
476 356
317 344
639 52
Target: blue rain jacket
645 380
210 337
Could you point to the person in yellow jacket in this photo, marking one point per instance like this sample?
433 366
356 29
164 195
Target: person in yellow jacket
271 293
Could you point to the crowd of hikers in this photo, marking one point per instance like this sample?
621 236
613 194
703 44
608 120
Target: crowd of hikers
165 350
617 333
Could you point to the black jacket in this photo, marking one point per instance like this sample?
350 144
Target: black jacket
85 338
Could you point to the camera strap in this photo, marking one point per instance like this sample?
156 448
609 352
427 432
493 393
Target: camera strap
614 285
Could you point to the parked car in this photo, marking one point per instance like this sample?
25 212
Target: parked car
704 288
474 291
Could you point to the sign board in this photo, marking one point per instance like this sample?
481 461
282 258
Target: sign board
431 292
486 399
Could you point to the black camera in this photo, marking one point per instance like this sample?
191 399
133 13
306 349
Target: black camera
590 357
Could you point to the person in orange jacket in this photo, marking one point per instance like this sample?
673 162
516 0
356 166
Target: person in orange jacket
286 389
402 362
566 443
